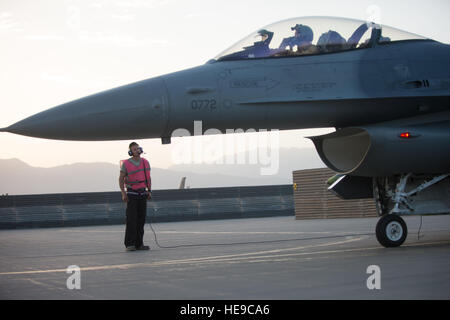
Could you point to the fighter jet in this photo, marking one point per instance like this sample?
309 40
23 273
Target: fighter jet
386 92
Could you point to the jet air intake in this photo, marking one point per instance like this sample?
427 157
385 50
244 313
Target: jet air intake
383 150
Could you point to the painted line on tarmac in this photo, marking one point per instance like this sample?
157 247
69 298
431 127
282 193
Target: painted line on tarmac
212 232
233 257
181 261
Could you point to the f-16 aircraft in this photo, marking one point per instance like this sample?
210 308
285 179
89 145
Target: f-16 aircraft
386 92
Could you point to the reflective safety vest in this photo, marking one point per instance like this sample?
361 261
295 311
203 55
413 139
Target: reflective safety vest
135 178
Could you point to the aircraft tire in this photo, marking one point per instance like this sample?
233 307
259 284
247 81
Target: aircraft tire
391 231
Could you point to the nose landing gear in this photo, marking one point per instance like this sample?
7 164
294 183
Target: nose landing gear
407 194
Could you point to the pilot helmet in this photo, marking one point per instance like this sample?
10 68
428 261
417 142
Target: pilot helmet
264 34
330 38
304 32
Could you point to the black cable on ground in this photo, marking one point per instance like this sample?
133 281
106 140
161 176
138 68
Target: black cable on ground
252 242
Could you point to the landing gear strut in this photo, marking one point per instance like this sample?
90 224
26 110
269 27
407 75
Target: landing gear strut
407 194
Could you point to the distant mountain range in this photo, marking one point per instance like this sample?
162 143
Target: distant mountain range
17 177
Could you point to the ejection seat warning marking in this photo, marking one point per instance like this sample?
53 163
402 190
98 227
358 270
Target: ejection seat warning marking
266 83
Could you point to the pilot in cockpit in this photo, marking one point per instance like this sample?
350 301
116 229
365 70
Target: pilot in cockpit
260 48
331 41
302 38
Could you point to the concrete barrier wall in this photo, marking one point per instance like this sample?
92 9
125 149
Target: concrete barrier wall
99 208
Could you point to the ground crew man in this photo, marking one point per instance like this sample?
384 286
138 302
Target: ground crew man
135 177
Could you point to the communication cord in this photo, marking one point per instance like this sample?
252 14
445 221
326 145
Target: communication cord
251 242
420 228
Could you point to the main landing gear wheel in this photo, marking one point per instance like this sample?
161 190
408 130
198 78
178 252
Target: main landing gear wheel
391 231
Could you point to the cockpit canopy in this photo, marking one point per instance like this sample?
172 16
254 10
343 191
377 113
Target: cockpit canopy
312 35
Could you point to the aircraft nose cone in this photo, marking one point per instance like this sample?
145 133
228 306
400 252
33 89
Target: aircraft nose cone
137 110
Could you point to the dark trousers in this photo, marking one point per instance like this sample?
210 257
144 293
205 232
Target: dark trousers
136 213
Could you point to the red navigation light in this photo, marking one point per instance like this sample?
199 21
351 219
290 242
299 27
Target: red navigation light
405 135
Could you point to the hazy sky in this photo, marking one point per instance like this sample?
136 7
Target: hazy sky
54 51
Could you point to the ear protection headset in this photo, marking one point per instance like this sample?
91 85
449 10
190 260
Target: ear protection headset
140 150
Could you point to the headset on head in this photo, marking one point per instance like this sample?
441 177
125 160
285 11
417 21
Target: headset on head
139 149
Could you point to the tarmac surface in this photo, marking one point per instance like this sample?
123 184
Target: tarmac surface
259 258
